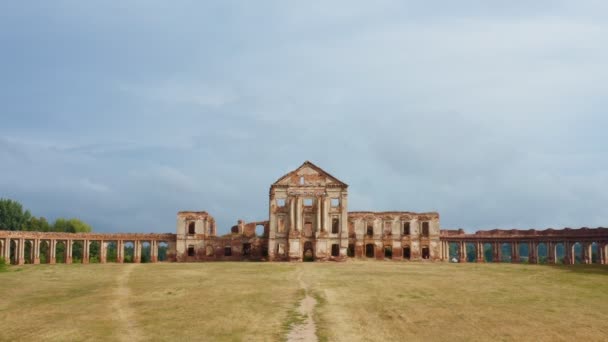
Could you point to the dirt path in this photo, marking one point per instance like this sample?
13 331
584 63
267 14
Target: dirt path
128 330
307 330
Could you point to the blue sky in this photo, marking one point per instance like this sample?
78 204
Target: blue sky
124 112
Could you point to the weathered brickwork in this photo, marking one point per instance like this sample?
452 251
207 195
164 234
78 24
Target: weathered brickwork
308 219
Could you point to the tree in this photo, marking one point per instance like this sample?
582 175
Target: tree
73 225
37 224
12 215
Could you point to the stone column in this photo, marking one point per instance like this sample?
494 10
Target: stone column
447 251
36 247
532 252
298 213
68 248
20 251
103 252
7 250
137 251
319 210
344 223
551 252
515 252
120 250
601 247
326 219
463 251
587 252
497 252
292 213
85 251
52 251
153 250
568 253
480 254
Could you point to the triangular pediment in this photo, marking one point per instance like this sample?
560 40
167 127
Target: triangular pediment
308 174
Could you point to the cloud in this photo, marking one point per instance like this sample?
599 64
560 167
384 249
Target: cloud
172 93
125 114
92 186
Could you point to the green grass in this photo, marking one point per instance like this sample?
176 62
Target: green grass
356 301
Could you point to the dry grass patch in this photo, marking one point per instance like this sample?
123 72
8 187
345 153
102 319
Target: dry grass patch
356 301
375 301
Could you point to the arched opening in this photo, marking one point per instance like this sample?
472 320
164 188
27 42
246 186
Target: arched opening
454 251
163 248
191 228
388 252
595 253
309 254
542 253
506 252
13 258
488 252
407 253
577 253
471 249
60 251
94 252
227 251
45 255
523 250
560 253
426 252
146 251
129 252
112 251
77 252
259 230
28 251
369 250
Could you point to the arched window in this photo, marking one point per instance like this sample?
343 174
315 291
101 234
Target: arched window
191 230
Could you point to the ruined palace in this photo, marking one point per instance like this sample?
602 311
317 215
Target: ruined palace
308 220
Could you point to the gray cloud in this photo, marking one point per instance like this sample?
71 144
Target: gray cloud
123 114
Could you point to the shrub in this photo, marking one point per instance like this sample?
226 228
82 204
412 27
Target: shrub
3 265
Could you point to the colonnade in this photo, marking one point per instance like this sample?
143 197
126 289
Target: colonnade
533 248
13 246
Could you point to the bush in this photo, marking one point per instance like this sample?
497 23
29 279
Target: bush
3 265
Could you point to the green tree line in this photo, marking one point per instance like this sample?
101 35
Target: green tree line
14 217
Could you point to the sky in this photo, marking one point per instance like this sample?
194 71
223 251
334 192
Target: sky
122 113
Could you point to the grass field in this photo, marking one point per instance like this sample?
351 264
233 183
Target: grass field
355 301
